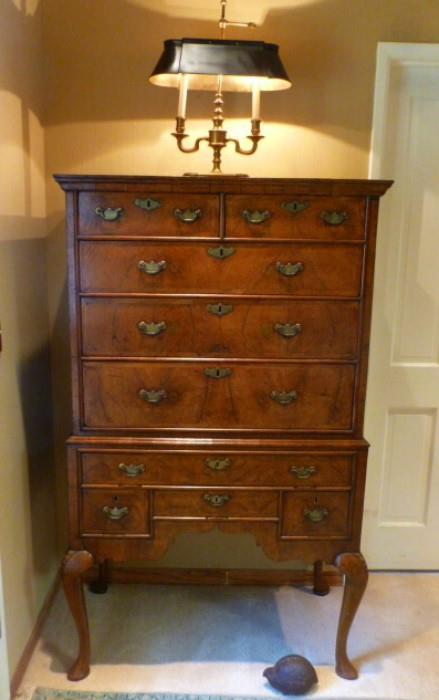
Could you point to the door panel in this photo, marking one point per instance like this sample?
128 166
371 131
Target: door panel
401 526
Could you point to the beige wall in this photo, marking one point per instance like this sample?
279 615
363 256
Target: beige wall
27 541
103 117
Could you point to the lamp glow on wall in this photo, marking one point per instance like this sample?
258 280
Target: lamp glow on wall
220 65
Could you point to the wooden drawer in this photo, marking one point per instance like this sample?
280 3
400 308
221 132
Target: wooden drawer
290 216
109 512
295 469
216 504
148 214
197 328
243 399
311 515
312 269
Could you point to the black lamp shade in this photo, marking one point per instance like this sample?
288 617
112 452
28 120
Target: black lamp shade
203 60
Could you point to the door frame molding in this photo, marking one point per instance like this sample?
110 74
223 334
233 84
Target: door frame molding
390 54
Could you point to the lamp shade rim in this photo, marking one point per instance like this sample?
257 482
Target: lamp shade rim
240 63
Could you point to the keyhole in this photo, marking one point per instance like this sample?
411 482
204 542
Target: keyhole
115 498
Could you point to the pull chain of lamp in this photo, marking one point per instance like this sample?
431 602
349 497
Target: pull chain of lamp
209 64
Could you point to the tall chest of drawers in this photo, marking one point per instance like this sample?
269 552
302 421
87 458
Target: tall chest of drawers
219 341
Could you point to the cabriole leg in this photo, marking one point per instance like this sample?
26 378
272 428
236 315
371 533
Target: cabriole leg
321 587
75 564
354 567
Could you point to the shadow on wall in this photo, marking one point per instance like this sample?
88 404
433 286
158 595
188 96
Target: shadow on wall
26 362
60 362
26 406
28 263
20 25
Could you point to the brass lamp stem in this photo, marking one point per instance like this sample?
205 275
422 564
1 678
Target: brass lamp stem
217 138
217 135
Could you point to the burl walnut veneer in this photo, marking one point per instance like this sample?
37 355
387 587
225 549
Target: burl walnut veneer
219 340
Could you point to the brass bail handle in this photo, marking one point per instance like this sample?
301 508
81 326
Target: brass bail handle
151 328
131 470
115 512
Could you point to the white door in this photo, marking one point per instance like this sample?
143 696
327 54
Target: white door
401 526
4 671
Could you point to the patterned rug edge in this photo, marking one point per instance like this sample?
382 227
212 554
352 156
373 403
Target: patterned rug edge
52 694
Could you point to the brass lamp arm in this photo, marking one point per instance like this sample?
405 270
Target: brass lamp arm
191 149
249 151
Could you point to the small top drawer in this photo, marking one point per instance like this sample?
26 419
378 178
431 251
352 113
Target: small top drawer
148 215
295 217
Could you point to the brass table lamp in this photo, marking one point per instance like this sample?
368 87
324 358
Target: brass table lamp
220 65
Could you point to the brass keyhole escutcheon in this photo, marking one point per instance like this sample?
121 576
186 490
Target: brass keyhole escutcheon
217 500
221 252
219 309
217 372
148 204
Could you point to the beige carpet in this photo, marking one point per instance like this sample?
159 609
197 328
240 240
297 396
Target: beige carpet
218 640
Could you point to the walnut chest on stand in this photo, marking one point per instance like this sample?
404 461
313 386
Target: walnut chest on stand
219 342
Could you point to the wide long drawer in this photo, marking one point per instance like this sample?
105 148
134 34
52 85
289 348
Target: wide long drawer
300 470
139 395
222 328
220 268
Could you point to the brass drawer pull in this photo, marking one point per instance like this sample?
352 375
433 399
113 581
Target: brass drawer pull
115 513
152 267
283 398
316 515
219 309
216 499
289 269
217 372
151 328
334 218
288 330
302 472
218 465
131 470
153 396
187 216
294 207
148 204
256 216
221 252
109 214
